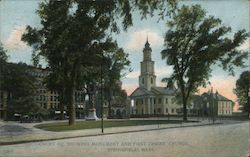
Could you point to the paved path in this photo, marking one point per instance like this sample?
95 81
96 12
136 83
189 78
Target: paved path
230 140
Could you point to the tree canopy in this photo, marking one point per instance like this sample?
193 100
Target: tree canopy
242 90
195 42
3 61
18 83
75 35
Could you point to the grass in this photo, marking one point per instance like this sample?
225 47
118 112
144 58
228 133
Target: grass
63 126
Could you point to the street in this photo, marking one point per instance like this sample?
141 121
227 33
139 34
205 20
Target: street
230 140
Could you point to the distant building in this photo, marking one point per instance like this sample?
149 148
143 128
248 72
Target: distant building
120 104
148 98
45 98
49 99
216 102
225 106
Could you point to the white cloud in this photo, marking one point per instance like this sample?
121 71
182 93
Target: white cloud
137 39
14 39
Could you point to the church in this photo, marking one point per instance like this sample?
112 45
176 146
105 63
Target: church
148 98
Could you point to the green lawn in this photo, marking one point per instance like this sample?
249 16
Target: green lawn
63 126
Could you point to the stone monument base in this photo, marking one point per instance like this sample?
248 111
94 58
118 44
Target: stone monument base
92 115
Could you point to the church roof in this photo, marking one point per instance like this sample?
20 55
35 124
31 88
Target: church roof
164 90
140 91
216 96
222 98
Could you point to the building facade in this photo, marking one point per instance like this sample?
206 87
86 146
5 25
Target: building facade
149 99
49 99
218 104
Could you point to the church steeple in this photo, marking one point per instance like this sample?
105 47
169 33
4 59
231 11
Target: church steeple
147 79
147 51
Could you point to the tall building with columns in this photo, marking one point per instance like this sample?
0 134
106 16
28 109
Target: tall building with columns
148 98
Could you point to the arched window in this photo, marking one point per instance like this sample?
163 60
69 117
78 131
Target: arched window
152 81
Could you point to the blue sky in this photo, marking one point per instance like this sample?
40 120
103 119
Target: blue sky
15 15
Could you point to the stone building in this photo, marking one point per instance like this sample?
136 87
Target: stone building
217 103
49 99
148 98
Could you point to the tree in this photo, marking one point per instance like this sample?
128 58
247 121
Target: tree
17 82
115 61
242 89
21 90
194 43
3 56
75 33
3 62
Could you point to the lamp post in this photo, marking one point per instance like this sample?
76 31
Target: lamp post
212 103
204 105
102 99
213 107
248 101
202 111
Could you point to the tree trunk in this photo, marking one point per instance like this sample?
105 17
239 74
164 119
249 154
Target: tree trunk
61 94
61 111
109 103
184 101
71 107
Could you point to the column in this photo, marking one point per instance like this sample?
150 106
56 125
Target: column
149 105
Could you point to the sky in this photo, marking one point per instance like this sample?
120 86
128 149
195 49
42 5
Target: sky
15 15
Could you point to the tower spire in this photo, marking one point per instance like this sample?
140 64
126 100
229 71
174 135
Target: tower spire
147 36
147 45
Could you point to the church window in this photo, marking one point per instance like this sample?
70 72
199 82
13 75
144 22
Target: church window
142 80
172 110
159 101
159 110
45 105
166 100
152 81
172 100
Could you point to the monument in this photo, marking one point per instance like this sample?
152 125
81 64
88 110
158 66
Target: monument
92 110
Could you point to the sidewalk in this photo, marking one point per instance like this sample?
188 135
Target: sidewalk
42 135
